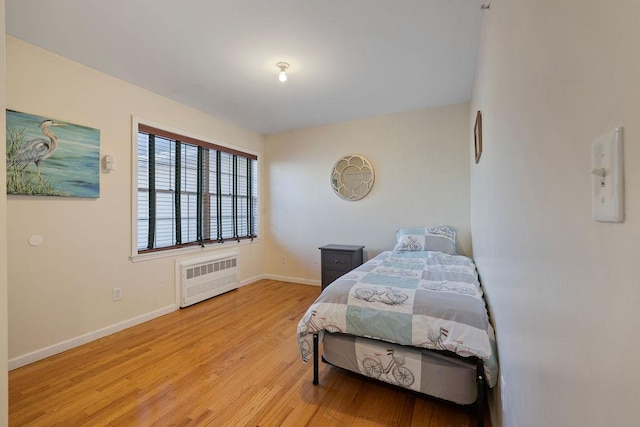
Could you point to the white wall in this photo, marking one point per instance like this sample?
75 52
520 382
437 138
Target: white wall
4 340
421 168
552 76
62 289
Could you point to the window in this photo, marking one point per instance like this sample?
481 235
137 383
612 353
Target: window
191 192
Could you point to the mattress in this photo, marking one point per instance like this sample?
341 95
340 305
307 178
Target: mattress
423 299
420 370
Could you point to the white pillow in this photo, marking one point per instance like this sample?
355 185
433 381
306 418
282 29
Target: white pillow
441 238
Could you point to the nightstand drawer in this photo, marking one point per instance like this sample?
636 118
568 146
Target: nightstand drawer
330 276
337 261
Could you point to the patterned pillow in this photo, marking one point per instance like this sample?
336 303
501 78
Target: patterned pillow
441 238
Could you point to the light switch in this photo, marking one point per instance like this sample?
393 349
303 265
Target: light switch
607 177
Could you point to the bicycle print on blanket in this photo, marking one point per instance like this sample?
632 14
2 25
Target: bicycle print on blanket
388 295
310 326
391 365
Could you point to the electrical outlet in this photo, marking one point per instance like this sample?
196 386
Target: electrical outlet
117 294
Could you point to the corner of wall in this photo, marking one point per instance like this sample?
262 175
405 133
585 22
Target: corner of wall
4 392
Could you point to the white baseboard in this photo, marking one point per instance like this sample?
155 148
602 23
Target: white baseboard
43 353
251 280
292 279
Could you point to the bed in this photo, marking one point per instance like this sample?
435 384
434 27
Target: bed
414 317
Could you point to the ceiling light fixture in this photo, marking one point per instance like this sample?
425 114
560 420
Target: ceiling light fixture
283 71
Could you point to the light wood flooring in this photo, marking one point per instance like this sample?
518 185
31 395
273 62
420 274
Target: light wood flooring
228 361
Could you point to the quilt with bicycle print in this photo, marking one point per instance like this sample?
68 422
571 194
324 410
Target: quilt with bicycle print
424 299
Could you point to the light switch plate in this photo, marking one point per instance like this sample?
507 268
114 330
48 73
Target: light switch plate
607 177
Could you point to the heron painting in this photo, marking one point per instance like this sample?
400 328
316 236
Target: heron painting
48 157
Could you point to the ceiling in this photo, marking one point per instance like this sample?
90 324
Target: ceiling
349 59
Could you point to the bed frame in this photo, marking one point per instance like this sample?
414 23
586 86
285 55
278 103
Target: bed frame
480 377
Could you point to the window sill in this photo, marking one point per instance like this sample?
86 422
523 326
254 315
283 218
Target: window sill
173 253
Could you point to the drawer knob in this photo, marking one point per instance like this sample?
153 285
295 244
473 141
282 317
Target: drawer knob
336 261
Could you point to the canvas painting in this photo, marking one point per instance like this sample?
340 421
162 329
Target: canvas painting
48 157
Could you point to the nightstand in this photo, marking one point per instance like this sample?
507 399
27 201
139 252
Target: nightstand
338 260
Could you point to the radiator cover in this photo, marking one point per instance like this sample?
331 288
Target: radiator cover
203 278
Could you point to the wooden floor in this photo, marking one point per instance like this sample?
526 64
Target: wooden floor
228 361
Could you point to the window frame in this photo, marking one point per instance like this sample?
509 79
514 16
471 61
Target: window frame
189 138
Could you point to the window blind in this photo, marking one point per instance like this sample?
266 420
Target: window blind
192 192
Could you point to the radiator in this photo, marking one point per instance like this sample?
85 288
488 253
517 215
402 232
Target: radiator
204 278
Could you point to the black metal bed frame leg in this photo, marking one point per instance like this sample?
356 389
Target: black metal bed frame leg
480 380
315 359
